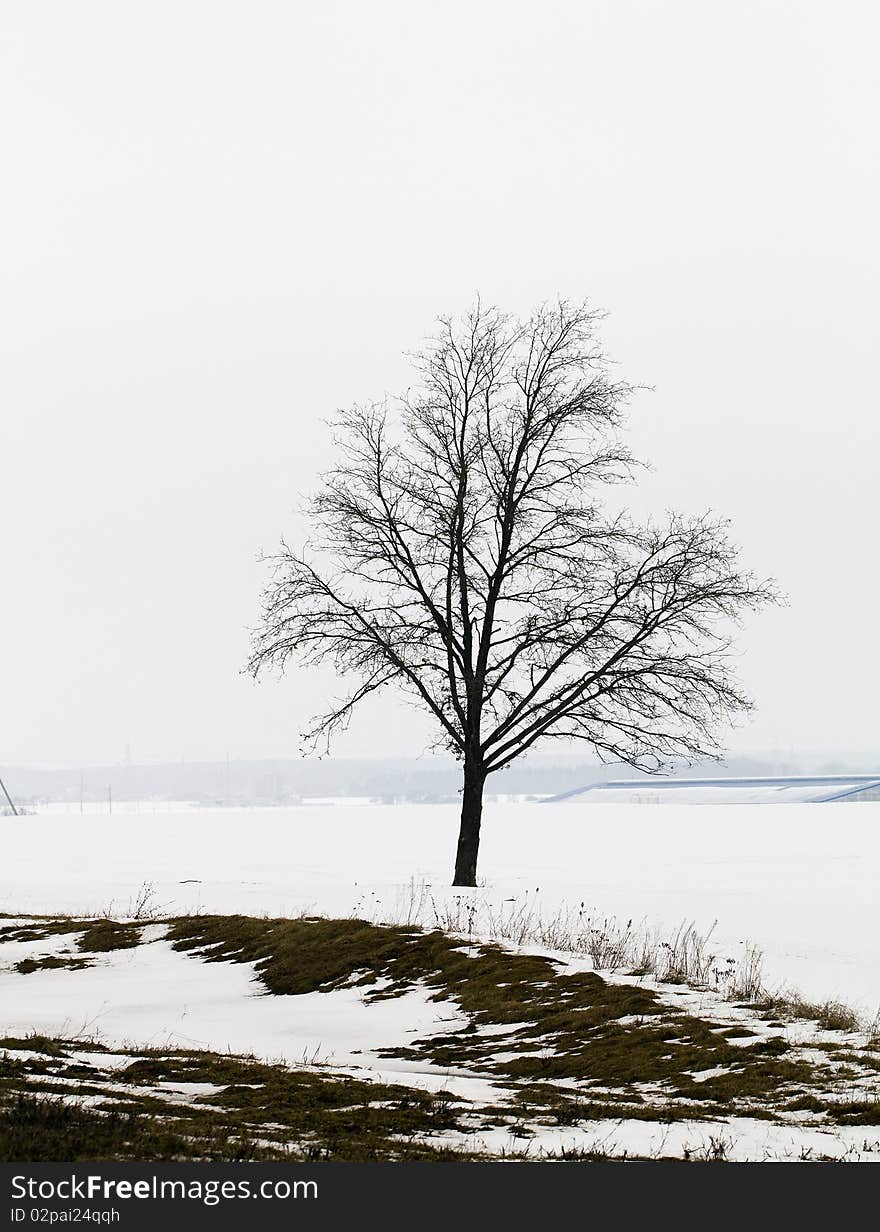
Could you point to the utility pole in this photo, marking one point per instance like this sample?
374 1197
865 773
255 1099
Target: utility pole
9 799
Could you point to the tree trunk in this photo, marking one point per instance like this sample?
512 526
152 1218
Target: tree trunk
469 833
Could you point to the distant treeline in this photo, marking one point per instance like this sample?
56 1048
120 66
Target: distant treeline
280 781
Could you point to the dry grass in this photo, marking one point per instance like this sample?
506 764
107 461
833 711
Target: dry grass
563 1048
685 956
829 1015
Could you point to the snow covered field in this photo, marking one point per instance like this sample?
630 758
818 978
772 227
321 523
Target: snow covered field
799 881
154 997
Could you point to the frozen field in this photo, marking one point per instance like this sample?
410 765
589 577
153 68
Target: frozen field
799 881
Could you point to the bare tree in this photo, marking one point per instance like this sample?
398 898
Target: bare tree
462 553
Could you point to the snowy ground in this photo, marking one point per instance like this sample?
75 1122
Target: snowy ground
800 881
155 997
152 996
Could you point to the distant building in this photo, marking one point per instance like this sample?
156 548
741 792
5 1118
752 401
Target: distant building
821 789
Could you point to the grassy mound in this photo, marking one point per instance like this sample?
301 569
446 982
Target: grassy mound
560 1046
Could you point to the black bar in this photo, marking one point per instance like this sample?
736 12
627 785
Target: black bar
542 1196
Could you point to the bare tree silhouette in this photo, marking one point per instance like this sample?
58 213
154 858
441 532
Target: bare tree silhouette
462 553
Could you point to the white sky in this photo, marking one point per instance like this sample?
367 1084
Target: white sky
220 221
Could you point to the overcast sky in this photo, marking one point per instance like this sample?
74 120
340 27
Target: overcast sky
220 221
